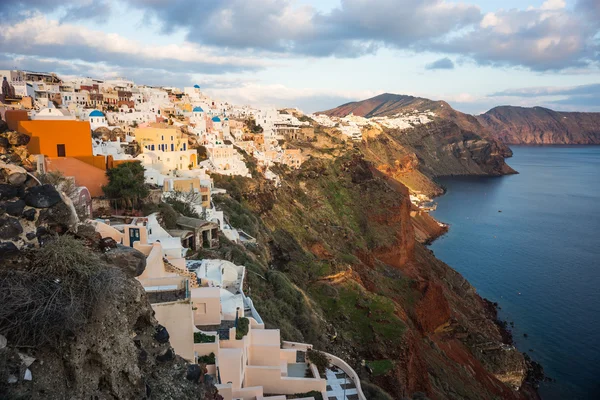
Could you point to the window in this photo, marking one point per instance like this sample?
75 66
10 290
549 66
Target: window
60 150
172 147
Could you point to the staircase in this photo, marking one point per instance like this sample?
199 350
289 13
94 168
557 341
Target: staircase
191 275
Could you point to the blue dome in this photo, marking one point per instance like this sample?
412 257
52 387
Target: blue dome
96 113
226 119
216 119
197 86
198 109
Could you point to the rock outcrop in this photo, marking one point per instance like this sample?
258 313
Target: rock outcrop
538 125
116 355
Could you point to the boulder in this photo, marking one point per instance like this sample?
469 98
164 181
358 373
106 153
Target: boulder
43 235
3 145
8 191
14 174
18 139
10 228
161 335
131 261
166 356
108 243
56 217
14 208
43 196
8 249
30 214
194 372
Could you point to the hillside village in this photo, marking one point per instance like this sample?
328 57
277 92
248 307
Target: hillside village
82 129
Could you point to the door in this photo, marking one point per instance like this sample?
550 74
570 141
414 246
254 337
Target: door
134 236
60 150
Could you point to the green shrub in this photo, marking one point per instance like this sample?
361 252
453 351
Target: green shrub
380 367
242 328
208 360
200 337
126 184
319 359
314 393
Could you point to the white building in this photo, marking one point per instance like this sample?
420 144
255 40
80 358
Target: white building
52 114
97 120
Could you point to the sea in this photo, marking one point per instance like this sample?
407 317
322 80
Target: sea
531 243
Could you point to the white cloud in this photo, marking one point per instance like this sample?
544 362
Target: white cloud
38 35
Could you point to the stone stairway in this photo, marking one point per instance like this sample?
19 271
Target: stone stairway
191 275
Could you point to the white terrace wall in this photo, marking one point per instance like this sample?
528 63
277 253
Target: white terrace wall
177 318
264 355
272 382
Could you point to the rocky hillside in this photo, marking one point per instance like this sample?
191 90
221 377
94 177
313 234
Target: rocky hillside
384 105
337 264
74 323
537 125
453 144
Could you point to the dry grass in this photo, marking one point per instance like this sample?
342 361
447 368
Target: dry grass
55 294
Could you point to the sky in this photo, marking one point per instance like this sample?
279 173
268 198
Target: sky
318 54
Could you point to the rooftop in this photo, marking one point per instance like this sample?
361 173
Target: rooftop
195 223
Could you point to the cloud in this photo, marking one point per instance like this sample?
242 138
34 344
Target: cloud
39 36
355 28
256 93
442 63
569 98
71 10
550 37
581 90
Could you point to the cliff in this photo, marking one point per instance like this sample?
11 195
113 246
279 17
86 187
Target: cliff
337 264
453 144
538 125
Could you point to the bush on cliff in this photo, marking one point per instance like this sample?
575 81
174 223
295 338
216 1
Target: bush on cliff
53 292
319 359
126 184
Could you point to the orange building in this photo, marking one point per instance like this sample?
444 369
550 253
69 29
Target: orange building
58 138
67 147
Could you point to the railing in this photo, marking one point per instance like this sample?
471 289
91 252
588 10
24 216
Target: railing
350 373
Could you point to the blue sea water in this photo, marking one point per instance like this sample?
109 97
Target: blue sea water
539 258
